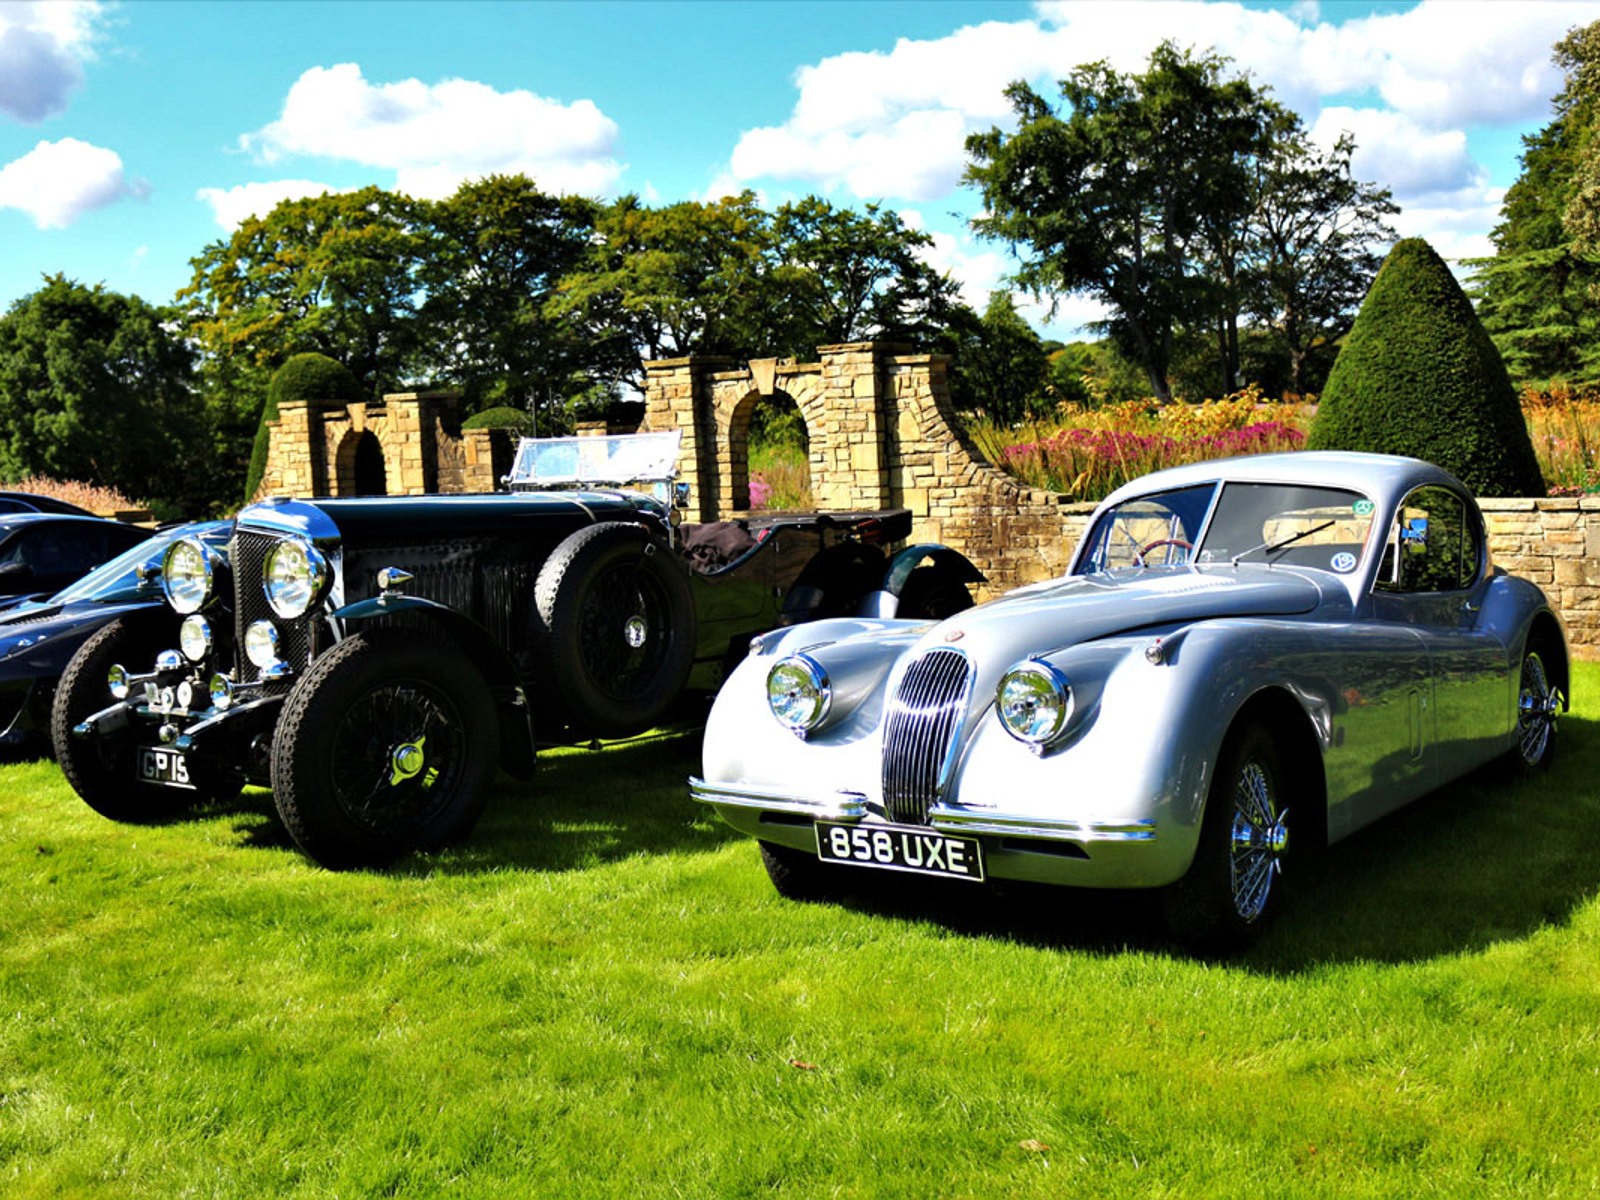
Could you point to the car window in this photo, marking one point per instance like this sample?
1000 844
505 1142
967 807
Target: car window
62 549
1287 523
1432 546
1152 530
119 576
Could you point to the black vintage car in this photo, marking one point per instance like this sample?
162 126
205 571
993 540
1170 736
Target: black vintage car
374 660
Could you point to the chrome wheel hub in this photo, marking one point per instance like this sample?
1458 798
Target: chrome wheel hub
407 761
1537 706
1259 840
635 631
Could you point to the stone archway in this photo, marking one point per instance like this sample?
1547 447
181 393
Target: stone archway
359 465
735 435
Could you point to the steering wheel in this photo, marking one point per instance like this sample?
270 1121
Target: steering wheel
1138 558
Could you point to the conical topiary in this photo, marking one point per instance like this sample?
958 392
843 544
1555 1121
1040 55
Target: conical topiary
1418 375
302 377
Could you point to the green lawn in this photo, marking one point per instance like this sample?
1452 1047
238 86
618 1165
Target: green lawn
600 995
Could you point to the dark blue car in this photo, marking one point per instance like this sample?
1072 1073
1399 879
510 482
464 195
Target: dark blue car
38 637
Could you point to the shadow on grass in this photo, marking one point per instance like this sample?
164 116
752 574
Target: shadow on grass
580 809
1488 858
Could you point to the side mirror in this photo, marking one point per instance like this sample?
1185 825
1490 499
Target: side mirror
680 495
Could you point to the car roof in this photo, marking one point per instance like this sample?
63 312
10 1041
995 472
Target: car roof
45 504
13 521
1378 475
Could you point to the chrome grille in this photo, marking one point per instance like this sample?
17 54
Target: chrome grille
924 720
250 551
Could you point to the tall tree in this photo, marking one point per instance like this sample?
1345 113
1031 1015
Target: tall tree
999 364
497 250
1113 198
1312 242
1535 294
95 386
688 278
334 274
846 276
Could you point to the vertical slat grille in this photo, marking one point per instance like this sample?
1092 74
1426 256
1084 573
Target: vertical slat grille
250 551
924 718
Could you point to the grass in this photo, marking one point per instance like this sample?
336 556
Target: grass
599 995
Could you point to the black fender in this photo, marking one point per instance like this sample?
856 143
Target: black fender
478 644
953 562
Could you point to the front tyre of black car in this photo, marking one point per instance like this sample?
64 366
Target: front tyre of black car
388 744
1234 887
102 769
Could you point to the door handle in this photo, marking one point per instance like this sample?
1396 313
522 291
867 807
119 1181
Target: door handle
1468 607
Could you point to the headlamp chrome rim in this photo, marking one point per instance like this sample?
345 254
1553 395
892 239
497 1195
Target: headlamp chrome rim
799 693
180 590
301 584
1020 695
194 637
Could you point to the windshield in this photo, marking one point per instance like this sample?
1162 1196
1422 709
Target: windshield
119 576
1248 522
623 458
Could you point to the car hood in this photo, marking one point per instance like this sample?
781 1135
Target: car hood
1083 608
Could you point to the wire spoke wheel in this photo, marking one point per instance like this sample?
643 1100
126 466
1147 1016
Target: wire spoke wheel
625 630
1258 840
397 757
1537 705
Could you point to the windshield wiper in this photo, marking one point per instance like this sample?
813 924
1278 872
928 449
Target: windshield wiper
1274 547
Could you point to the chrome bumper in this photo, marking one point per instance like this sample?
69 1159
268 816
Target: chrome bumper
852 806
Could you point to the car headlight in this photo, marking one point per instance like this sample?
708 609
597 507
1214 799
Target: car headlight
293 576
194 637
186 575
261 643
1034 701
798 693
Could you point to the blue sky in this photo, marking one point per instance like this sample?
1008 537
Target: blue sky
133 134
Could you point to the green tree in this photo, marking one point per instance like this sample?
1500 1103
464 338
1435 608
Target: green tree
688 278
1116 197
95 386
845 276
335 274
497 250
999 364
1536 294
1312 239
1419 376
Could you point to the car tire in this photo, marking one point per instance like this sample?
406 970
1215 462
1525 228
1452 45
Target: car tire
1234 885
387 745
615 629
801 875
101 769
1538 702
932 594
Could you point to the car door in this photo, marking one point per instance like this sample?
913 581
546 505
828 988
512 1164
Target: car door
1434 577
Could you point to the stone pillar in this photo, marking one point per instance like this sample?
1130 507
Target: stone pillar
859 418
296 462
677 395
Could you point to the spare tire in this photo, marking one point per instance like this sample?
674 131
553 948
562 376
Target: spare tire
616 626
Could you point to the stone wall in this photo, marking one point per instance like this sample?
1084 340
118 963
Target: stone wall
314 445
1556 544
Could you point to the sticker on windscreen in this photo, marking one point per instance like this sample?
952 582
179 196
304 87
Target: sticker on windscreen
1343 561
1363 508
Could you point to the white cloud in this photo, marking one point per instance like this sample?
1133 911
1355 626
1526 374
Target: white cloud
1390 147
436 136
43 47
231 206
894 123
55 183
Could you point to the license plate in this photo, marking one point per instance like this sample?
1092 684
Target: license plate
901 848
166 767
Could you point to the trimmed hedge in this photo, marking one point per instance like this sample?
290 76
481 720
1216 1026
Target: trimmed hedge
502 417
1419 376
303 377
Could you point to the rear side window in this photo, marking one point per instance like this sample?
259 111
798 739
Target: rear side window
1434 545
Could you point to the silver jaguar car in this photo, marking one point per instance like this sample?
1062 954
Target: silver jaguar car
1246 658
